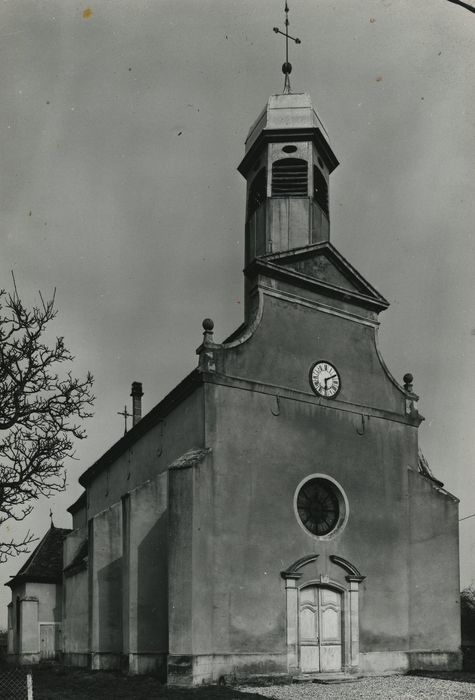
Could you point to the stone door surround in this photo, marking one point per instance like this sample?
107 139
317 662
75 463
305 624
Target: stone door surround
350 612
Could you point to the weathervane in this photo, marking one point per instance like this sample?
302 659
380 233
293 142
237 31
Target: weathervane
287 67
126 415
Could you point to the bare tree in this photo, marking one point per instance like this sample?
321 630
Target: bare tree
40 412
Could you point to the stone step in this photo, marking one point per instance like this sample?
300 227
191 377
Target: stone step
326 678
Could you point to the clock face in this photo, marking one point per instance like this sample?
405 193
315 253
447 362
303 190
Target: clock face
324 379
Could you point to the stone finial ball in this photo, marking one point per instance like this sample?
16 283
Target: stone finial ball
208 324
408 378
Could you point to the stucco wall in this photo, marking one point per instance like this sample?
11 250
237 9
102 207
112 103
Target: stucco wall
80 518
147 571
105 572
72 543
291 336
267 431
76 622
258 461
76 600
434 567
180 430
50 605
18 592
181 575
29 634
127 587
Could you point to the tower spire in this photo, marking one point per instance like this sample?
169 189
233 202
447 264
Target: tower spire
286 67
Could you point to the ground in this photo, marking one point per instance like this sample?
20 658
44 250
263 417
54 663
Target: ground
453 686
57 683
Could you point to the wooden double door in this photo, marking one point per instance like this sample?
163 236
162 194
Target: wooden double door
320 636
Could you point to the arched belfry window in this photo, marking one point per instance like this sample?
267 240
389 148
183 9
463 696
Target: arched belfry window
320 189
257 192
290 178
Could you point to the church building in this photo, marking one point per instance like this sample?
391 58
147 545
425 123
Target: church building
272 514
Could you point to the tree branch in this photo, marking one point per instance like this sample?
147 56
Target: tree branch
468 7
40 411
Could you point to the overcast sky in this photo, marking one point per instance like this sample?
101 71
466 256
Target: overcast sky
121 126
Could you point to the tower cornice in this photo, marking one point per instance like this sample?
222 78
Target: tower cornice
266 136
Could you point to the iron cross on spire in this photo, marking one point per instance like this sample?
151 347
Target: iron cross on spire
126 415
287 67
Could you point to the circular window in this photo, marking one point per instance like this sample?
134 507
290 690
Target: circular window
321 506
289 149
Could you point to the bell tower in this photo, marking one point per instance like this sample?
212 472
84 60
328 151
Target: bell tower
287 164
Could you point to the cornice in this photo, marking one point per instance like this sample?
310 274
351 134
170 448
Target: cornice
158 413
274 390
264 266
266 136
314 304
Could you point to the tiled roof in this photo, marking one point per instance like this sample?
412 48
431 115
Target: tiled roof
45 564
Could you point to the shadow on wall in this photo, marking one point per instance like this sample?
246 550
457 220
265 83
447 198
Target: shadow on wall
152 593
110 607
58 605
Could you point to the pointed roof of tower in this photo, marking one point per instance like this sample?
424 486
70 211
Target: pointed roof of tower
288 117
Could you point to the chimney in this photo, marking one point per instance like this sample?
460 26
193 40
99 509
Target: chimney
136 395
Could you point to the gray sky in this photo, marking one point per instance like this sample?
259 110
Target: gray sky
120 134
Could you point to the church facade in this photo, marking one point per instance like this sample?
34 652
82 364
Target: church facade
273 514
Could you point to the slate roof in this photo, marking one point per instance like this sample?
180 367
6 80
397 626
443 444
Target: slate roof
45 565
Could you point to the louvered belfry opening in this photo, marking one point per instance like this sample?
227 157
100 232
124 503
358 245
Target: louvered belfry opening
290 178
257 192
320 189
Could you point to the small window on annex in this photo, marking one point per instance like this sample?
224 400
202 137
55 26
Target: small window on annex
290 178
257 192
320 189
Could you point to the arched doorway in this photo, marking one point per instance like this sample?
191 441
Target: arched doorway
337 631
320 629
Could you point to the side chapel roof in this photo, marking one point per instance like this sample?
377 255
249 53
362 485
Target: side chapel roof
45 564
